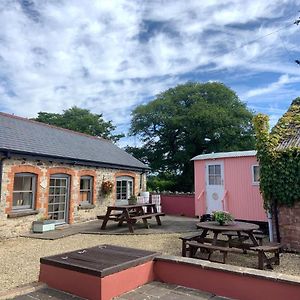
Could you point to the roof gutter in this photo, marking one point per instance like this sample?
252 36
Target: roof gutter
74 161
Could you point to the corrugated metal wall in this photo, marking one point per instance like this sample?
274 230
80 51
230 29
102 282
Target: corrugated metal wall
244 199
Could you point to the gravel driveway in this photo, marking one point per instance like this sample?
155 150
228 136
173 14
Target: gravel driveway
19 263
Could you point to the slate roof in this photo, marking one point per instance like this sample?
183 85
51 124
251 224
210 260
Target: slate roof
20 135
293 141
288 127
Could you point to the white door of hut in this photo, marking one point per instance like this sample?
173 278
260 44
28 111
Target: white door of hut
214 186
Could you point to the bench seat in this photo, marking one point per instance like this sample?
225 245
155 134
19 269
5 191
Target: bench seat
114 216
190 237
259 236
147 216
194 246
263 259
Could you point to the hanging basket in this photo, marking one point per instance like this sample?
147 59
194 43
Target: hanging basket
107 187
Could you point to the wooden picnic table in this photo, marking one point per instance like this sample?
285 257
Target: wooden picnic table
244 232
238 227
131 214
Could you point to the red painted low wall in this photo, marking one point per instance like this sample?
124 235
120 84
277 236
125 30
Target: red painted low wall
93 287
178 204
227 281
222 280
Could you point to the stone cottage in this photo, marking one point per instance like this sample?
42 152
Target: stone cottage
52 172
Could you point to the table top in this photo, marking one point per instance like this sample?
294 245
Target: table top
233 226
132 205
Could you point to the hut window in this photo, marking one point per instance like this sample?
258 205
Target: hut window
24 191
255 174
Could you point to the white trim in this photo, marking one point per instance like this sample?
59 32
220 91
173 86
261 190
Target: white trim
224 155
252 168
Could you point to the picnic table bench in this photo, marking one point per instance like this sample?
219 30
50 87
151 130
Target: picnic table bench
232 235
263 260
194 246
131 214
237 234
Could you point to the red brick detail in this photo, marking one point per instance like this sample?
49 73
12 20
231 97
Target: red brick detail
135 177
90 173
289 226
10 187
72 174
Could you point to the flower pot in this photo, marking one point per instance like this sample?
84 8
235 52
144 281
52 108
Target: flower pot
43 226
132 200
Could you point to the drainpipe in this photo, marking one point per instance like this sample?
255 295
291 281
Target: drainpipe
1 172
276 221
270 225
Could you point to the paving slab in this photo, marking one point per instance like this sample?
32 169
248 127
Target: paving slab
47 294
154 290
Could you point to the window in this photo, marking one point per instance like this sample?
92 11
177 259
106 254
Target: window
124 187
214 175
86 189
255 174
24 191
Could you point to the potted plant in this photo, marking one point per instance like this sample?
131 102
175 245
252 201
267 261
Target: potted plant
43 224
222 217
132 200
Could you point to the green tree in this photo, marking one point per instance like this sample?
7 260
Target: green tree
81 120
186 121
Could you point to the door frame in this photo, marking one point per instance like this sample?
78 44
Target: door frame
127 179
68 196
207 164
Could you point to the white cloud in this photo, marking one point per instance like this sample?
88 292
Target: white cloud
273 87
109 56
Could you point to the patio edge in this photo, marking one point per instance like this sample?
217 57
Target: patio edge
225 280
204 264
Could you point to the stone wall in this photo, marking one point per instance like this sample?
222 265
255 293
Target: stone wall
12 225
289 226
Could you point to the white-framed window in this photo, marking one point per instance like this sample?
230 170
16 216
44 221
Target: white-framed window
214 175
124 187
24 191
86 189
255 174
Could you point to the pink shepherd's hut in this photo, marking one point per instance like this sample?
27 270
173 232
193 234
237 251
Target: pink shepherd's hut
229 181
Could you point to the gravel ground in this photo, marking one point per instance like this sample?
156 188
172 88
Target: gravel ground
19 263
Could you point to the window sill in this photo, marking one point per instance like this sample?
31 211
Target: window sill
86 206
23 213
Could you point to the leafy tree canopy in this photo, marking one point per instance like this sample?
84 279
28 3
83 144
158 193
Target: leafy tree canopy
81 120
186 121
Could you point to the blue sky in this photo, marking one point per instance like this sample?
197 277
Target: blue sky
110 56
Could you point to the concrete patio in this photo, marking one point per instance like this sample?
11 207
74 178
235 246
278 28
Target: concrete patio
170 224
